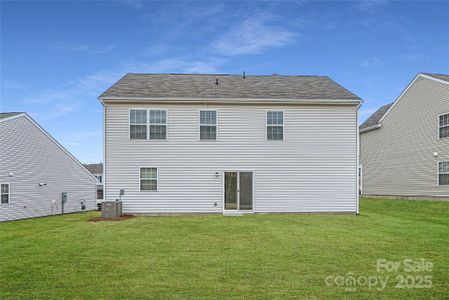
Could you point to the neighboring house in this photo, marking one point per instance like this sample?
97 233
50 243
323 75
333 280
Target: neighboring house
405 144
37 173
97 171
182 143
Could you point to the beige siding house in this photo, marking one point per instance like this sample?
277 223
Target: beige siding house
230 144
405 144
35 171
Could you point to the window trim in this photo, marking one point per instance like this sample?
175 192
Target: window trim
148 123
438 172
9 193
439 126
157 178
129 123
199 125
277 125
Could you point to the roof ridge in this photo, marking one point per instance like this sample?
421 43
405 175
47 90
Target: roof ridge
225 74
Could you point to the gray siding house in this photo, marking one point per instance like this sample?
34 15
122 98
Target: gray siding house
405 144
182 143
35 170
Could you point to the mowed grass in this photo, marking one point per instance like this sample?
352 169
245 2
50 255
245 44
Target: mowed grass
215 257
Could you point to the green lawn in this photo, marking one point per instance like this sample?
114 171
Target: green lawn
211 256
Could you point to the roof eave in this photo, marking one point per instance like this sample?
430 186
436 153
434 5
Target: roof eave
369 128
112 99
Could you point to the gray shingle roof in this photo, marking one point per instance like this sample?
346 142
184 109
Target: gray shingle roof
9 114
375 117
438 76
229 86
94 168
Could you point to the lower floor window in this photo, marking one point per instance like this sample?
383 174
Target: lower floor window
443 173
148 179
4 193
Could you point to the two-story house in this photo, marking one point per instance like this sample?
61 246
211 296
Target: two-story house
405 144
184 143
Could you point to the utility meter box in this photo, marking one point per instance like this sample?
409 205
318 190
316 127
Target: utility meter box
111 209
63 201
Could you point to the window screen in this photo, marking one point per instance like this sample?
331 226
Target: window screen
208 125
137 124
275 125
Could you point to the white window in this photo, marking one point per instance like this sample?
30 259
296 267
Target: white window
443 173
148 179
99 177
138 124
158 124
208 125
444 126
275 125
4 193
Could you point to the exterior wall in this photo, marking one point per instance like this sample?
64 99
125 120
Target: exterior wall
34 158
313 169
398 159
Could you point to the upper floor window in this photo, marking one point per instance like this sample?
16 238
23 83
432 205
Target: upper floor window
208 125
275 125
148 179
138 124
141 121
4 189
443 173
444 126
158 124
99 177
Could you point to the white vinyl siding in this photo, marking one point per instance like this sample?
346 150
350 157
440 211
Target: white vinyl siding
443 173
275 125
4 188
208 124
444 126
148 179
315 169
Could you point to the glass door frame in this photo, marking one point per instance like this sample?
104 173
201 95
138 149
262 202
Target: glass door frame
238 191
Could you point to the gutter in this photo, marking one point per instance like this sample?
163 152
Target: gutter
369 128
259 101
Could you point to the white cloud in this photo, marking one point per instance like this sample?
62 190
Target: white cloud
371 62
12 85
73 47
416 57
78 138
176 65
370 5
254 35
136 4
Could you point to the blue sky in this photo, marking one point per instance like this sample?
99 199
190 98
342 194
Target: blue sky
57 57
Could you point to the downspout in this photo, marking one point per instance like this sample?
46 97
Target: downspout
358 158
104 152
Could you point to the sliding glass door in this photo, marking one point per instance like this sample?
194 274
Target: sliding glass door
238 190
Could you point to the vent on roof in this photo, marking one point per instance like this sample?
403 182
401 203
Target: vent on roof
216 81
244 75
